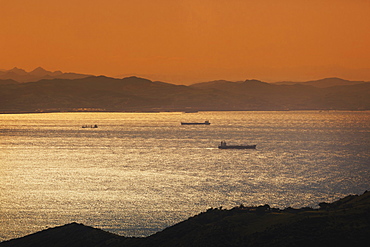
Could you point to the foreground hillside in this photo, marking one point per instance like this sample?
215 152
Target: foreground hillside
138 94
345 222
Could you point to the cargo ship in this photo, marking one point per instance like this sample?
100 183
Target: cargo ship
204 123
225 146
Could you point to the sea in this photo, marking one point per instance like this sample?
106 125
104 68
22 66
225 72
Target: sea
138 173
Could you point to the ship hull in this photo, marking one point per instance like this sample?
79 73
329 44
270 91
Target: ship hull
195 123
238 147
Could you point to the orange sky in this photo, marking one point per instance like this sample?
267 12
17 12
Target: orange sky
189 41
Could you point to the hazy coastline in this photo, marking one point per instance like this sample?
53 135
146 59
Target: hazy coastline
133 94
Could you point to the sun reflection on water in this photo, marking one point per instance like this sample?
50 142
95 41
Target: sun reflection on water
141 172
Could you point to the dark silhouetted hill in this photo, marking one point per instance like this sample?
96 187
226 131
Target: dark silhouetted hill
257 95
345 222
71 235
7 82
100 93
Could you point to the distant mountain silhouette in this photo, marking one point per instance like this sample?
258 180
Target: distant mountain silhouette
345 222
37 74
100 93
329 93
323 83
234 87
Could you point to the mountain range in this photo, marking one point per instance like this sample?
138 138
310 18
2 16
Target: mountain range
100 93
20 75
345 222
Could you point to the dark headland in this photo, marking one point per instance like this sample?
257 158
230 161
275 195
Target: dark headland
345 222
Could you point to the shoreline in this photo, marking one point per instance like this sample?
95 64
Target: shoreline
182 111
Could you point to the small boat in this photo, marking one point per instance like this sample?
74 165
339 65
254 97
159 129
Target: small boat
225 146
90 126
204 123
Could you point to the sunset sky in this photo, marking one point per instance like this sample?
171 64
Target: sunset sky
189 41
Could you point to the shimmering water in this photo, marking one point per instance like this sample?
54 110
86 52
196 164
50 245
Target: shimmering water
141 172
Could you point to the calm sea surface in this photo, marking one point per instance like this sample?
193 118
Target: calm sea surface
141 172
